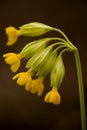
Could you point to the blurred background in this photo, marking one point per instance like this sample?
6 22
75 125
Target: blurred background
20 109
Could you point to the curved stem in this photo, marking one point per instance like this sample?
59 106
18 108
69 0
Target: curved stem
66 49
57 38
57 43
81 91
62 33
59 47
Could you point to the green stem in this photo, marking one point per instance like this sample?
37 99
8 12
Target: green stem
81 91
62 33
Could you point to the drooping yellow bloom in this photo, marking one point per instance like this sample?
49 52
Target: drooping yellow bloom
37 86
13 59
53 96
12 35
24 78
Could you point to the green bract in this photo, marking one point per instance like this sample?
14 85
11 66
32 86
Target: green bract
32 47
39 58
58 71
34 29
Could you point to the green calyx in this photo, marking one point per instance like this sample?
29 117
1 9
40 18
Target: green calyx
39 58
45 68
58 72
31 48
34 29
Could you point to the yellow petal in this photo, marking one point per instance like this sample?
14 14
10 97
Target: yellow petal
40 89
16 76
46 99
9 60
7 55
15 66
28 85
22 80
33 90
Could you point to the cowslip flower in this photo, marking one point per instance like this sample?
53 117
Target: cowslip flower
13 59
37 86
53 96
12 35
24 78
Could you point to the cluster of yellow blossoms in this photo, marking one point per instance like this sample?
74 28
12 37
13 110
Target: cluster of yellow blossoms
42 59
44 56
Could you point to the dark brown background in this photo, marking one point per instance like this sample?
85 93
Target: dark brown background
20 109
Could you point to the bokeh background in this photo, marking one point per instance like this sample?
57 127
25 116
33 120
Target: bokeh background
20 109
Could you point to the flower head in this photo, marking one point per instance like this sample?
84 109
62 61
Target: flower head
13 59
12 35
37 86
23 78
53 96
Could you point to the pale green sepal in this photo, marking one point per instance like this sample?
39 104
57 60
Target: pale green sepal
38 59
31 48
58 72
48 65
34 29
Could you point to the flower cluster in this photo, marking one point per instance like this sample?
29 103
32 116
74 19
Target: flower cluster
43 58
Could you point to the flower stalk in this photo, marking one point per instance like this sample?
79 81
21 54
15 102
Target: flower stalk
81 91
80 80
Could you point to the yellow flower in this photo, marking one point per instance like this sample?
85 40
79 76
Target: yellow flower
24 78
13 59
37 86
53 96
12 35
